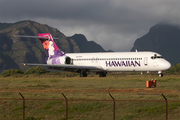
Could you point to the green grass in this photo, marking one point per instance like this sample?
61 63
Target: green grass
126 87
18 108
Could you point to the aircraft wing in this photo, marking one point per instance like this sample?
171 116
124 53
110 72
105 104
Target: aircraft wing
72 68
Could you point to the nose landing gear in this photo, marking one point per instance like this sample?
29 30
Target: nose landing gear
160 73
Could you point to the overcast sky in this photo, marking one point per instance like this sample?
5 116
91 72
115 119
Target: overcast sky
114 24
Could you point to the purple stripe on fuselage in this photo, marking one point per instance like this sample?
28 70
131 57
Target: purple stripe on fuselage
55 61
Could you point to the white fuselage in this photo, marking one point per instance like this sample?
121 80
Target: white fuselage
121 61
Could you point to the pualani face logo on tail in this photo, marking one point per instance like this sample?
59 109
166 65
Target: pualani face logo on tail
50 47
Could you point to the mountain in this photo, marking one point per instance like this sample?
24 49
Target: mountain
161 38
14 50
84 45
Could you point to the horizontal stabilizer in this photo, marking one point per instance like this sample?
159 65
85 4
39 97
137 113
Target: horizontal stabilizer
33 37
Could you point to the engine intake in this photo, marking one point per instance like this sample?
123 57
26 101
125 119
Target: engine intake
60 60
66 60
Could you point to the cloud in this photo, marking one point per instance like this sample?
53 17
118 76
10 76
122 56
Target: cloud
114 24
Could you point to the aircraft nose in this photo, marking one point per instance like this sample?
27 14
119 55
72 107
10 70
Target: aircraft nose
167 65
164 65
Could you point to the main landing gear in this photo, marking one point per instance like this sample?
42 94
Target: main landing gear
83 74
102 74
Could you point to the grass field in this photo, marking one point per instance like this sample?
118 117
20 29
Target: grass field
125 87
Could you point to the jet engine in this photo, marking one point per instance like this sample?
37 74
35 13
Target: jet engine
60 60
65 60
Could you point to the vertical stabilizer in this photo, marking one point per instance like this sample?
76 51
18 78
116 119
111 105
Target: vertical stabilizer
49 45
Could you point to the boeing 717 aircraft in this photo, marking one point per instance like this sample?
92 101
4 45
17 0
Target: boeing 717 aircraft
101 63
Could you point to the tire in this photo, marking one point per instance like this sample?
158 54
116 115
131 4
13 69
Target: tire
102 74
161 75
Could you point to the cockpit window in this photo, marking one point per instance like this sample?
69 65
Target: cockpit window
155 56
159 57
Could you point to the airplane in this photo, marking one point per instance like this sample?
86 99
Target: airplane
101 63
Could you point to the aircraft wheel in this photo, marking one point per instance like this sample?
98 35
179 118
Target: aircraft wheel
102 74
83 74
161 75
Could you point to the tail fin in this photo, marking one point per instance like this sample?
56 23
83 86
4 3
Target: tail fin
49 45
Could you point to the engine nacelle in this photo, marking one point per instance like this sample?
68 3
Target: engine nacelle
65 60
60 60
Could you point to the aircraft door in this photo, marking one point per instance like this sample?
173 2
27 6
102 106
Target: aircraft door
146 61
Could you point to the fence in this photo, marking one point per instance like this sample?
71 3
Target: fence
114 109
